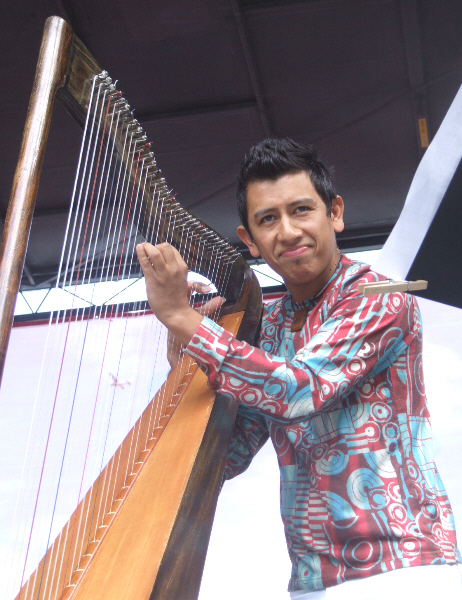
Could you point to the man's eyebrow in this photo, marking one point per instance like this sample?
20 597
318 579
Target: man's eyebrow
295 203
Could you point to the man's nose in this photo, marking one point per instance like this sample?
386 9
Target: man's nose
288 230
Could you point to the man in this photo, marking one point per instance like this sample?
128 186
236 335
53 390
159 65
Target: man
336 383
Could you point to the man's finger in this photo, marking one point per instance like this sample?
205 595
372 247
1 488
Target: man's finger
177 255
166 252
158 255
211 306
197 286
171 255
144 259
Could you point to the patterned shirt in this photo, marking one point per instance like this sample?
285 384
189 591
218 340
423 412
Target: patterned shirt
343 401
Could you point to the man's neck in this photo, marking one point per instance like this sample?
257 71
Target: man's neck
309 290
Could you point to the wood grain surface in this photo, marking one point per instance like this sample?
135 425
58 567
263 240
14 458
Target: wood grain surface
51 68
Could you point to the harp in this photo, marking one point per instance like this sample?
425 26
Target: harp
147 534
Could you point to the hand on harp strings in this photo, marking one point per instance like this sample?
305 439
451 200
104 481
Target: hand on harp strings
169 293
208 309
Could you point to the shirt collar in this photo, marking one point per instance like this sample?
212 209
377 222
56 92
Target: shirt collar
289 302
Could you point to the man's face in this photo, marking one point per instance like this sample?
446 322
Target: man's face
290 229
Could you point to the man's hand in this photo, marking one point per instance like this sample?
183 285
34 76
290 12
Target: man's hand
173 345
165 273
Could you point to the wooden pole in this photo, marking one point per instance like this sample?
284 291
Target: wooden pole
49 75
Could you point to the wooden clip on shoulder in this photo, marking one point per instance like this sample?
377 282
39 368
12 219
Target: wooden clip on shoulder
389 286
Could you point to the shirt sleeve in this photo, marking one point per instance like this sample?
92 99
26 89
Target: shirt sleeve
249 435
360 337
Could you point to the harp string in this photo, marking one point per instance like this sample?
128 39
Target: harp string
75 533
69 423
125 263
85 181
117 372
153 405
106 171
155 361
84 340
128 194
39 488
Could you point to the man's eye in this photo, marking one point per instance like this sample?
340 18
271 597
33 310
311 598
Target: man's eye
301 209
267 219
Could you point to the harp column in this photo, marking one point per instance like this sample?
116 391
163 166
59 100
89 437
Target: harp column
51 69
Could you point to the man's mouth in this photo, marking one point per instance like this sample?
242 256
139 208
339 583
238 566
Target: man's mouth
294 252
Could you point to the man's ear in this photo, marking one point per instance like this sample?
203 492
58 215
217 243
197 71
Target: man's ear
336 214
245 237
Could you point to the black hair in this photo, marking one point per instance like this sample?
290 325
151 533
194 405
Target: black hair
274 157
